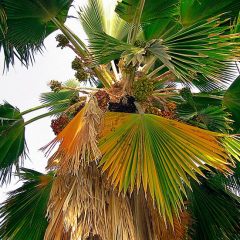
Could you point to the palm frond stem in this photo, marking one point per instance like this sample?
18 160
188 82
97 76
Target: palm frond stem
80 89
42 116
42 106
166 89
136 22
78 46
149 64
163 76
154 72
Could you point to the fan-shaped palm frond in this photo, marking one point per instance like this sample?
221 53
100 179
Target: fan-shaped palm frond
200 48
233 182
212 118
236 25
152 9
196 10
12 140
96 16
23 214
58 100
72 83
214 209
205 85
231 100
158 153
3 21
106 48
28 24
201 100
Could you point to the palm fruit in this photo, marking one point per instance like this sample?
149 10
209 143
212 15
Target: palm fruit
55 85
77 64
81 75
103 99
142 89
62 41
59 124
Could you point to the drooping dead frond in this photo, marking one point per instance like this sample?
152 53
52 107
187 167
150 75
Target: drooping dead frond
85 206
78 141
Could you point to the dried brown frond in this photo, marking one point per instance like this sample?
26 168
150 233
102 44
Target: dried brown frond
86 207
78 141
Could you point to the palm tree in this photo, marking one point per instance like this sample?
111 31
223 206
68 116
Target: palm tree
147 133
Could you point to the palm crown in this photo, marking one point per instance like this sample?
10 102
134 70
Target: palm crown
141 155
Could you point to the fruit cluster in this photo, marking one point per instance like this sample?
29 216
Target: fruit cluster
55 85
103 99
77 64
62 41
81 74
59 124
142 89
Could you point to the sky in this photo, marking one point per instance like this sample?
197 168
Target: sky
22 87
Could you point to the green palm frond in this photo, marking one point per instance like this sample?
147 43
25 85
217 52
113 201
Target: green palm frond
96 16
215 210
206 99
12 141
204 110
196 10
204 84
236 25
157 16
202 48
3 21
28 24
160 154
231 101
23 214
72 83
58 101
106 48
152 9
233 181
212 118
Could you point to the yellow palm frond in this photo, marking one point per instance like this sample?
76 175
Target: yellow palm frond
160 154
